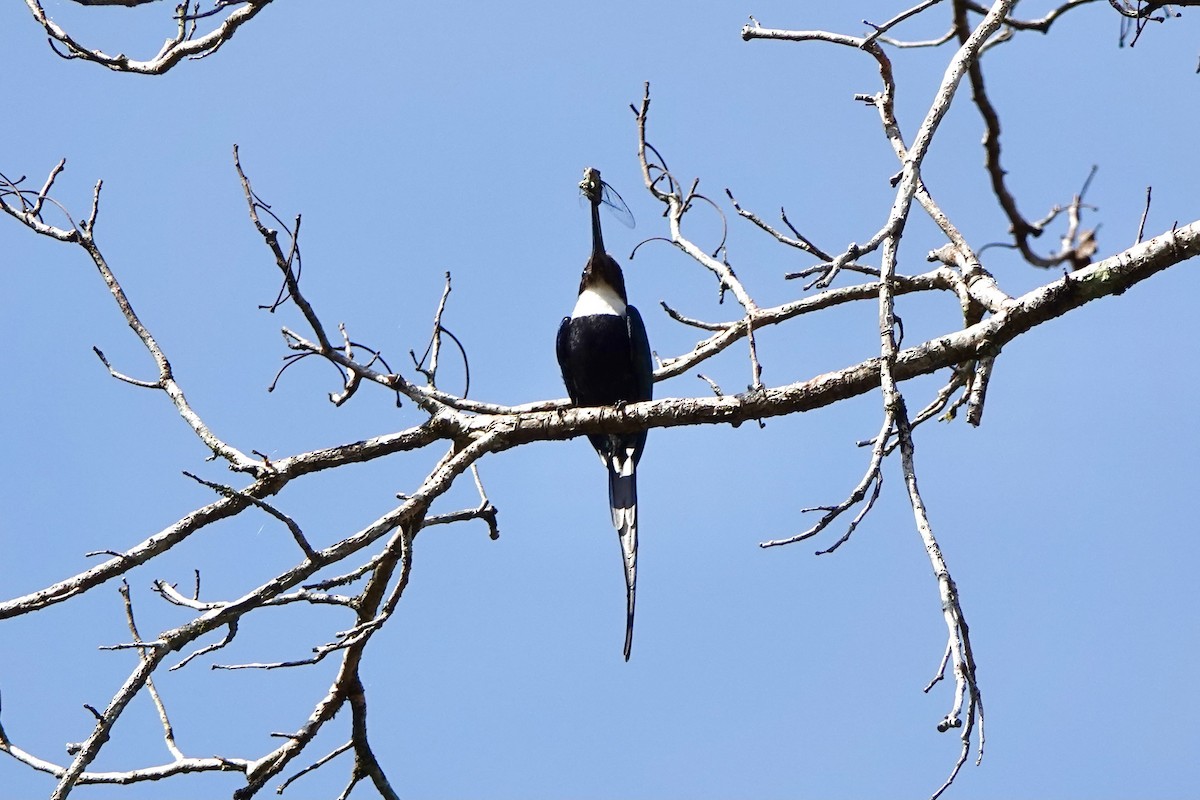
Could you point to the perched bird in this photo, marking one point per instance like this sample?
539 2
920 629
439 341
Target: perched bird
605 360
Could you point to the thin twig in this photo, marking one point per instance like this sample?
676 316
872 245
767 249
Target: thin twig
1145 213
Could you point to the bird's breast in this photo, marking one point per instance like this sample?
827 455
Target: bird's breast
597 355
598 300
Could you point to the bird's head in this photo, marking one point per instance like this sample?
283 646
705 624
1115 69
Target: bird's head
602 273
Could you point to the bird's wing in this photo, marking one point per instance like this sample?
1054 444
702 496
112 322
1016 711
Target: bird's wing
564 359
639 347
643 369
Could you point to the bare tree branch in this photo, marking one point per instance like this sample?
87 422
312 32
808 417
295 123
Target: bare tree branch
363 574
184 44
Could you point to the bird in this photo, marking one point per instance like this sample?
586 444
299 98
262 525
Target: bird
605 359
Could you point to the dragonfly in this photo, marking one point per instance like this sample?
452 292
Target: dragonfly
593 187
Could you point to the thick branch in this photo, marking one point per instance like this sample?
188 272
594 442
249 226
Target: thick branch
1112 276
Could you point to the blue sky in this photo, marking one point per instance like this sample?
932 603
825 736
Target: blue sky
418 140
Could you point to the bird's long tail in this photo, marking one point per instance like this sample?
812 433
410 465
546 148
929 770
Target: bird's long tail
622 498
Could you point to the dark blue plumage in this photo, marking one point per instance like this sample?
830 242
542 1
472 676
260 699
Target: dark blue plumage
605 360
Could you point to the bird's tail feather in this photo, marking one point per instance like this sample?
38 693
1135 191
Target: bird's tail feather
622 496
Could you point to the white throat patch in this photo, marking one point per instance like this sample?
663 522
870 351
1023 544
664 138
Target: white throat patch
601 300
